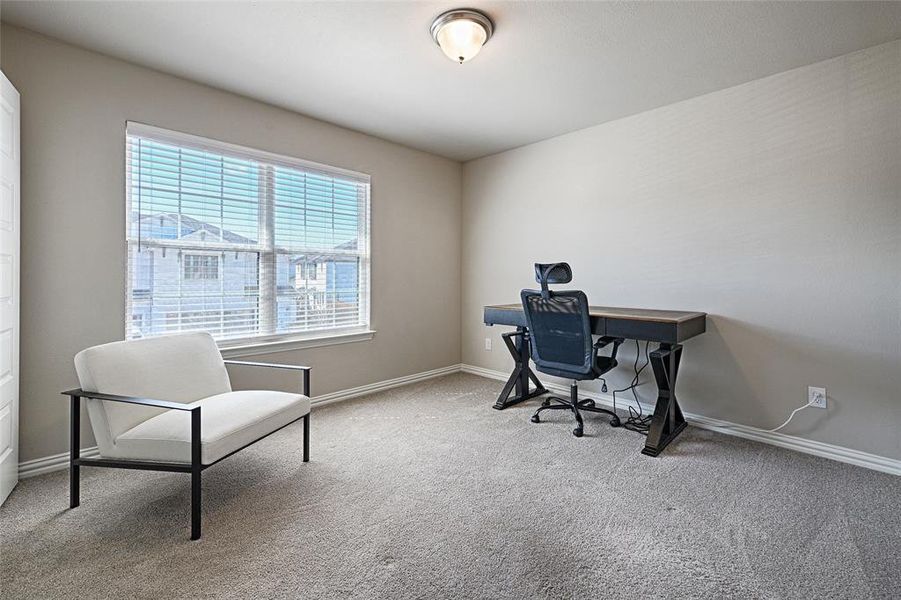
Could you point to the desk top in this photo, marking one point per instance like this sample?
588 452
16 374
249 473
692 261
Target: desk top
664 326
631 314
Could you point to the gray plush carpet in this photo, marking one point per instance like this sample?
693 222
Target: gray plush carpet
426 492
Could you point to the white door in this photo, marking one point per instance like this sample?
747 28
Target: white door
9 287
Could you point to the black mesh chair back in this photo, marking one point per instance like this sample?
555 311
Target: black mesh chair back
559 325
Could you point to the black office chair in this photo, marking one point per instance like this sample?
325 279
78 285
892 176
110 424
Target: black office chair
562 345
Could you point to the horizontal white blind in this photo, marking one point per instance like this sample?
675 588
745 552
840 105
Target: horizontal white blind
241 243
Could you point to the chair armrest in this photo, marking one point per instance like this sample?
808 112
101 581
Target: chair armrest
604 341
306 370
75 397
511 334
131 400
247 363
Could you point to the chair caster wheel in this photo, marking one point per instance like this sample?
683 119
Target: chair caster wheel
578 432
615 422
536 419
546 403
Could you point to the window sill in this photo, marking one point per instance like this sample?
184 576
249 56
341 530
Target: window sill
239 348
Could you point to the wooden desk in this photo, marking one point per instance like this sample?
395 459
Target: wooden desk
667 327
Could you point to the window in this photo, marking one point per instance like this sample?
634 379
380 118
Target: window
307 270
247 245
201 266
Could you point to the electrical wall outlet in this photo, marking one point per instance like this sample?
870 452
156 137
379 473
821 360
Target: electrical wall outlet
487 343
816 396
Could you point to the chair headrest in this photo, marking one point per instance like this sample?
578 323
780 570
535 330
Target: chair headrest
546 273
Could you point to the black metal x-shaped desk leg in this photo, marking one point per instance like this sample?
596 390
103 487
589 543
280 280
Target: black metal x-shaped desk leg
668 421
522 372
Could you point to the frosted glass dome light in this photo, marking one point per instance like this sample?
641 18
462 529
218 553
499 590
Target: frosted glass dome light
461 33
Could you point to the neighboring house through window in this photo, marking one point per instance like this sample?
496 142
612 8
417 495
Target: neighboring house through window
241 243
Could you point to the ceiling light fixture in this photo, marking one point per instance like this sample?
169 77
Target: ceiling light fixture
461 33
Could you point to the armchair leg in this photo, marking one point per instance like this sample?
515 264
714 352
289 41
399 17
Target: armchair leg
306 438
74 450
196 468
195 504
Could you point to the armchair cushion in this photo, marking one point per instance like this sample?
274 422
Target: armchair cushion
227 423
180 368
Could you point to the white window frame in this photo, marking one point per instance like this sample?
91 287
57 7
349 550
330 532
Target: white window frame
265 344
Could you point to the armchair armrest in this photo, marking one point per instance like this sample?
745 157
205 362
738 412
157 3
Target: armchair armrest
306 370
248 363
79 393
75 459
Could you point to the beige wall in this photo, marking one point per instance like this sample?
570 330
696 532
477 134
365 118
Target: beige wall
74 108
775 206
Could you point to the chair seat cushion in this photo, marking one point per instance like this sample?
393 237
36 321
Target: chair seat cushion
602 365
227 422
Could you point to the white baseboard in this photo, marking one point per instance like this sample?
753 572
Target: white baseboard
56 462
378 386
839 453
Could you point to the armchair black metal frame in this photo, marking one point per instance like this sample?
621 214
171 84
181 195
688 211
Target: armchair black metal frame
195 467
561 338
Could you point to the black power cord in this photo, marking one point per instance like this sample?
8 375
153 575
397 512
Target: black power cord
637 420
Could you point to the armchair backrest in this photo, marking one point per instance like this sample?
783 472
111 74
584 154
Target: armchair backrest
179 368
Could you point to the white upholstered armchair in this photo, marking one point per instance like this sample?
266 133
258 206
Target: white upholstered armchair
166 404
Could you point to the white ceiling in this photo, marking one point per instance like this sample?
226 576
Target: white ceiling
551 67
